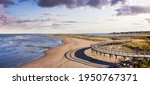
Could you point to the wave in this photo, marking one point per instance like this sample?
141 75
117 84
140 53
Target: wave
16 49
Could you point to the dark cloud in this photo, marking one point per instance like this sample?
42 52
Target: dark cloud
49 3
67 3
113 2
6 2
98 3
132 10
78 3
22 1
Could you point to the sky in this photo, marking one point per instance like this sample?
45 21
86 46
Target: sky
74 16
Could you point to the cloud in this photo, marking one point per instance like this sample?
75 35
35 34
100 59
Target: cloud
69 22
132 10
136 23
111 20
98 3
32 21
22 1
54 14
78 3
113 2
6 2
5 18
148 20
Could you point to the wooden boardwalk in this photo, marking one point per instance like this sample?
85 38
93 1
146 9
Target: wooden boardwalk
99 48
82 59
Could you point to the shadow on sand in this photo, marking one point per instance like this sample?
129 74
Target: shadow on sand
80 54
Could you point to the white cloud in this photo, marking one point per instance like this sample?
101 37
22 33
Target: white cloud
139 2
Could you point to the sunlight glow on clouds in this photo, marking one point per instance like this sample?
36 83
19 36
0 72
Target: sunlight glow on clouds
74 16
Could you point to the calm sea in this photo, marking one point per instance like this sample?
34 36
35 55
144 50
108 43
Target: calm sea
21 48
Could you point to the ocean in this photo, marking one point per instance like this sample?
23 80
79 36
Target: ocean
17 49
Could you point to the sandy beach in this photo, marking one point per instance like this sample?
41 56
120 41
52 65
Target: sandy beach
55 57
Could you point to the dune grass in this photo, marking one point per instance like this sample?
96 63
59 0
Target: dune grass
139 44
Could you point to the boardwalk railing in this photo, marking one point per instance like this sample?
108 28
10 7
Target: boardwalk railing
99 47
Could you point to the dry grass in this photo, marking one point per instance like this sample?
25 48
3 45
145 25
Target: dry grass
139 44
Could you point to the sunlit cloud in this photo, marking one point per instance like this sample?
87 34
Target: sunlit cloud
60 16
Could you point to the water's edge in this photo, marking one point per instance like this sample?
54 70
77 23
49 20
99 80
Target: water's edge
18 49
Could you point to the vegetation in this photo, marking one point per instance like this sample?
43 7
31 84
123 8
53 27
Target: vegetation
142 63
139 44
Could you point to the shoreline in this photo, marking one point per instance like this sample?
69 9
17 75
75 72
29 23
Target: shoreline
54 57
61 56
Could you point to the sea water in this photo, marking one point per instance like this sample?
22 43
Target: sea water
17 49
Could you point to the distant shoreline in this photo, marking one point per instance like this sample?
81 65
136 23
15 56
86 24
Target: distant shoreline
132 32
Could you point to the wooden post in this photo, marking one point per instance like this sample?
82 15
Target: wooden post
99 55
116 56
124 58
104 54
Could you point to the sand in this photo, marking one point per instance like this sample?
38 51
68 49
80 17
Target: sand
55 57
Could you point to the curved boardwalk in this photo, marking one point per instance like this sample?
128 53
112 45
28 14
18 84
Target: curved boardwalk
100 48
79 56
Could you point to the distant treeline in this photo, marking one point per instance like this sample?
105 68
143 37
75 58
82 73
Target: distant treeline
134 32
